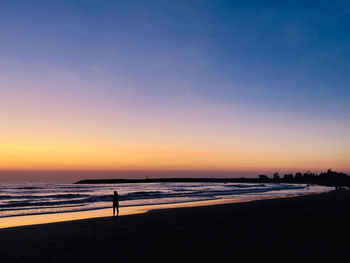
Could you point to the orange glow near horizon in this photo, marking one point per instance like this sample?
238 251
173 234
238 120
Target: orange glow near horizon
124 157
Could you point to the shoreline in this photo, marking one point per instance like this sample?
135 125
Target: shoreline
54 217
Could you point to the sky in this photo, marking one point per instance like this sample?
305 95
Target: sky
225 87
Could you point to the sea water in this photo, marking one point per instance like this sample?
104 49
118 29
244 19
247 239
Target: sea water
41 198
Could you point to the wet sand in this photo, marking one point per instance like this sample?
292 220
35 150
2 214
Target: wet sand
299 228
35 219
27 220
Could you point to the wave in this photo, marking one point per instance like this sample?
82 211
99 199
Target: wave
28 187
247 185
57 197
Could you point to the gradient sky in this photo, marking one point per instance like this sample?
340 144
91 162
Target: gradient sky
175 85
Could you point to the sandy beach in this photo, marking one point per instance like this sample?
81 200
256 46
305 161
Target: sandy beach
306 227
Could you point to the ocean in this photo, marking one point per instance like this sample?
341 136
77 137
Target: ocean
42 198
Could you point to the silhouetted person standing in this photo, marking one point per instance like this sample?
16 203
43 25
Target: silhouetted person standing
115 203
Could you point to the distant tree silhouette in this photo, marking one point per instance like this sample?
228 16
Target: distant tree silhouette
309 175
336 179
276 176
298 175
333 174
329 178
288 176
263 177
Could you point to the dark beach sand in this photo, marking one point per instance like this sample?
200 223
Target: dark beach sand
313 227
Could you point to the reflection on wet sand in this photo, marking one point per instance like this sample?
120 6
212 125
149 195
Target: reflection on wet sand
69 216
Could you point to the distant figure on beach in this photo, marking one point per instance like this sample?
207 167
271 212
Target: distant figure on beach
115 203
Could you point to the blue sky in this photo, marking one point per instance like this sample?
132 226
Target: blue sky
290 54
